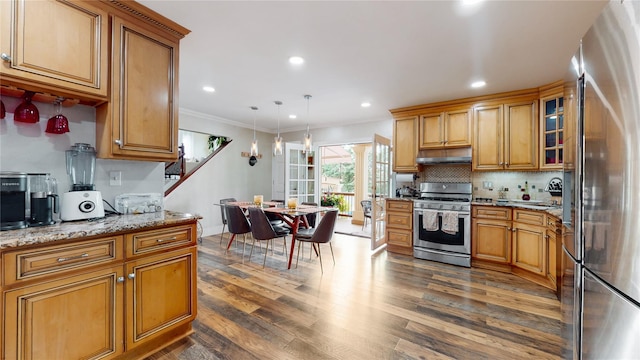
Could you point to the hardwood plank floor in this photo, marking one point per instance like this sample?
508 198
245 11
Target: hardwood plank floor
367 306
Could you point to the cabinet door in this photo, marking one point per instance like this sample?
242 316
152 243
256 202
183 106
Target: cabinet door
74 318
491 240
144 113
431 131
170 276
552 253
488 143
457 128
55 44
405 144
529 248
521 136
551 132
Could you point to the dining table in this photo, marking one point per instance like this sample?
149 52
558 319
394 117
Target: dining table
293 217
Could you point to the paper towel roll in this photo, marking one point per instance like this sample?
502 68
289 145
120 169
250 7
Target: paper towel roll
404 179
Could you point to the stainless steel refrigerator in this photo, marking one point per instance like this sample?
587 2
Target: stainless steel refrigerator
600 285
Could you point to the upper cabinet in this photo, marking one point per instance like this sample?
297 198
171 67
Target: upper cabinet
141 120
405 144
446 129
55 46
506 136
552 132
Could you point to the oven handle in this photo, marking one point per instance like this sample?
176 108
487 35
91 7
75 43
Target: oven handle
462 213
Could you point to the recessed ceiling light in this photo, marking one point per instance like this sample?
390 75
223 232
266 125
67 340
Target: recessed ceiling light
208 89
296 60
478 84
293 116
365 104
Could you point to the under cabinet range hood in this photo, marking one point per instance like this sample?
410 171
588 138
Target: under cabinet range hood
444 156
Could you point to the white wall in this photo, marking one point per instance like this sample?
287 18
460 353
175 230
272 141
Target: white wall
27 148
227 174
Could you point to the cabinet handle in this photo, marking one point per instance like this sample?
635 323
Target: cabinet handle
501 164
166 239
5 57
547 237
514 229
118 142
507 164
120 279
131 276
85 255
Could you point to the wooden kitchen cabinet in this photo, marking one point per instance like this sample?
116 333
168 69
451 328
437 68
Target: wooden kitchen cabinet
405 144
120 306
553 248
168 276
77 317
59 47
141 120
506 136
447 129
517 241
552 132
399 226
491 234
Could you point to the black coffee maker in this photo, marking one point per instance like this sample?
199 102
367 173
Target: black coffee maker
13 200
44 199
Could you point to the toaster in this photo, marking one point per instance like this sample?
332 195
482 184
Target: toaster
81 205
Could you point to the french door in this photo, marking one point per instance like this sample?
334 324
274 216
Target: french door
380 188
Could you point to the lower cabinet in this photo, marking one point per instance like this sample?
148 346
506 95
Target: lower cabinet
79 307
516 241
399 226
78 317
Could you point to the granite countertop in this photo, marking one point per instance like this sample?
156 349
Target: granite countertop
83 228
554 210
407 198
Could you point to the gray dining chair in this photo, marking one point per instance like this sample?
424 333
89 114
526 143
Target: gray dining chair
320 235
366 209
223 215
238 224
261 229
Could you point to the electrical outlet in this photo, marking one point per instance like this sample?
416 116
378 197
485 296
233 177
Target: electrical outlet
115 178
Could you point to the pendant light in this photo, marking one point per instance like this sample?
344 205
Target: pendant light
307 136
254 144
277 145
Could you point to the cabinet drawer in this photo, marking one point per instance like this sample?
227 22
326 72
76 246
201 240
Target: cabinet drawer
529 217
400 205
399 220
492 212
552 223
399 237
160 239
56 259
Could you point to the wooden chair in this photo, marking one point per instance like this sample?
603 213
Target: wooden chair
262 229
320 235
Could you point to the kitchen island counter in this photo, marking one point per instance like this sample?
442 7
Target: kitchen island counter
112 224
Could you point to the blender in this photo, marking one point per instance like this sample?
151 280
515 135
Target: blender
43 199
82 202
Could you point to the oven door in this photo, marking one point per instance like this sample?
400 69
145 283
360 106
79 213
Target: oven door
459 242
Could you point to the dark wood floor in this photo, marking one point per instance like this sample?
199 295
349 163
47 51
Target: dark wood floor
367 306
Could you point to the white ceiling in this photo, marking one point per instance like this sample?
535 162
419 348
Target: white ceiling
390 53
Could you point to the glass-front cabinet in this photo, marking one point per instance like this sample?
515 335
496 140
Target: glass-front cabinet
551 131
300 174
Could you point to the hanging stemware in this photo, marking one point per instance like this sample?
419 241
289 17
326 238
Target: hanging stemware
26 111
58 124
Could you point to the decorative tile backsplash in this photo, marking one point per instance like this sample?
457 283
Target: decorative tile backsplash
486 184
446 173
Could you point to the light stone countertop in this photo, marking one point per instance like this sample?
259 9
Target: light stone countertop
83 228
551 210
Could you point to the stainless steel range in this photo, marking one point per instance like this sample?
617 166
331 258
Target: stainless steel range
450 244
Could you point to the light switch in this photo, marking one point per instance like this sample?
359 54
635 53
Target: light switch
115 178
